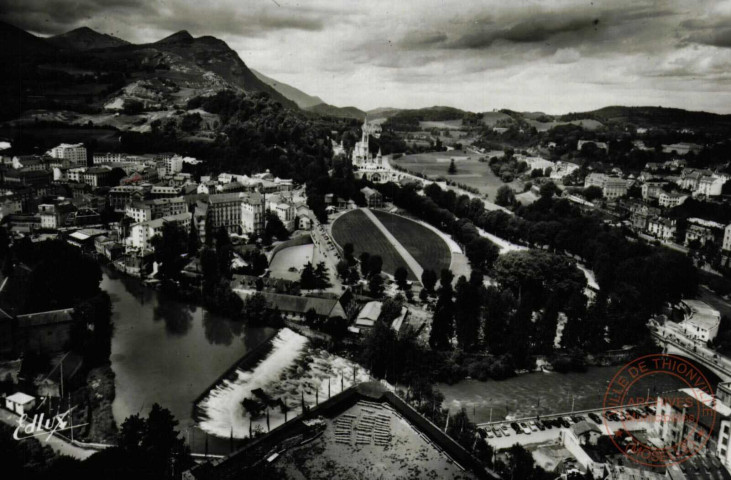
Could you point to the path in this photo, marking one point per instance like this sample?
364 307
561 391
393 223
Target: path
410 261
57 444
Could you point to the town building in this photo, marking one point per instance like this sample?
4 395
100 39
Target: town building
108 157
121 196
671 199
703 231
73 154
54 216
373 198
727 238
652 189
239 213
662 228
612 187
141 234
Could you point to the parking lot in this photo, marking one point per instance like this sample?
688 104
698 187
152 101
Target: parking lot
546 429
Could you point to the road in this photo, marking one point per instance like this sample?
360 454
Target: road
58 445
673 333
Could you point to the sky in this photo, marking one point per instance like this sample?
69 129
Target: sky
555 56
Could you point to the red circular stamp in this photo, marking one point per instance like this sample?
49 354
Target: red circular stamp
659 429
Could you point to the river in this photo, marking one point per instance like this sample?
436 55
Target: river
168 352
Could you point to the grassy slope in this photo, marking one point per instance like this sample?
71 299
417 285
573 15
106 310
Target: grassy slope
355 227
424 245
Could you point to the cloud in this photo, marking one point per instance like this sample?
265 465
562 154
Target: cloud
552 55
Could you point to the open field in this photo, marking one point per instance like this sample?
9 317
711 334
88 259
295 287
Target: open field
470 171
586 123
356 228
444 125
424 245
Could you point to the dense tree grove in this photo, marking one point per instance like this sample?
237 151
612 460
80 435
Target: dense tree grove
635 279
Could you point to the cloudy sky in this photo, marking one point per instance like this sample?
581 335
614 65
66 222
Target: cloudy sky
553 56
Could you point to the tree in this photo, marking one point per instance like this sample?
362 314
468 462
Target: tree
429 280
194 241
256 310
391 308
548 190
365 264
322 276
401 275
307 277
348 253
375 286
482 253
169 246
505 196
375 264
592 193
343 269
452 168
274 228
311 317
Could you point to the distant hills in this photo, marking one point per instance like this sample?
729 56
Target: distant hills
654 117
332 111
299 97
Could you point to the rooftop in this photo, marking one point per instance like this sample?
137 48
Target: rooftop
364 432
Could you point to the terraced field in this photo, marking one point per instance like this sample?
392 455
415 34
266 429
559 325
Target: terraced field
423 244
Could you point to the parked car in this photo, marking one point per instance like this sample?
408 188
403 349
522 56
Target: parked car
506 430
577 418
489 434
533 426
515 427
525 428
650 409
497 432
540 425
596 418
568 420
481 432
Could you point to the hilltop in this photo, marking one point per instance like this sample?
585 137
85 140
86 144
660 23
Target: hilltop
84 38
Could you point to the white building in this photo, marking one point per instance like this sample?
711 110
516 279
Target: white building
173 164
671 199
20 403
612 187
701 321
74 154
141 234
662 228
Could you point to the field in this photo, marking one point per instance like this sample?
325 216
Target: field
423 244
470 171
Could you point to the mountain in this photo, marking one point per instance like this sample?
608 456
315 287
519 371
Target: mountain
333 111
302 99
52 74
212 55
85 38
20 44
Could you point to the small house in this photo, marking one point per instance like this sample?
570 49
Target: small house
20 403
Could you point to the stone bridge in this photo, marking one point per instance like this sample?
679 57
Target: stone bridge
699 354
